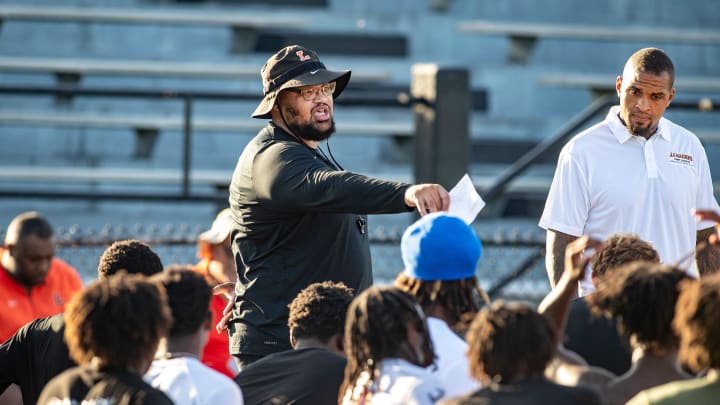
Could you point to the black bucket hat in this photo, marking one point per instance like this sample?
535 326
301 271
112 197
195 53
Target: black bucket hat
295 66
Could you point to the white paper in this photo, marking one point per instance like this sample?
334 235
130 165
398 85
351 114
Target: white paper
465 202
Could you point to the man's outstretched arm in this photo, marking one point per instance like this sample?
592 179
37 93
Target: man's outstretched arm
555 246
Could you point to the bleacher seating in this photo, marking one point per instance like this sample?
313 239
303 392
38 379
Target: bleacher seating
523 35
221 45
600 84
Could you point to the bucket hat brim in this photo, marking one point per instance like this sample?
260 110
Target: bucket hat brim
312 78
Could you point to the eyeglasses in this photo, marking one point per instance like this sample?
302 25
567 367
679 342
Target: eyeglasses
311 93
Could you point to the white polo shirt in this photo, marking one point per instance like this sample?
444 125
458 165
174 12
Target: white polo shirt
608 181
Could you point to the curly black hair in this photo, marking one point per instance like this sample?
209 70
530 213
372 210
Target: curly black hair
132 256
508 341
696 322
621 249
117 320
626 295
319 311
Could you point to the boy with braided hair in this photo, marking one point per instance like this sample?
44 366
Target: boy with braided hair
696 323
624 296
388 348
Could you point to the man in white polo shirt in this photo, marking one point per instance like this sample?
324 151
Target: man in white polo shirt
635 172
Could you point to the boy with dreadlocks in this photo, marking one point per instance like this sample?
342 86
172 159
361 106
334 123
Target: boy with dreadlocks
696 323
388 347
441 253
624 296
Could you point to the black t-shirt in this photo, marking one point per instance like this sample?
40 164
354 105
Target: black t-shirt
33 356
299 219
117 387
596 339
536 391
309 376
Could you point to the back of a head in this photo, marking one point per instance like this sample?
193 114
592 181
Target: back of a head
441 253
25 224
439 246
319 311
696 322
625 296
376 328
650 60
131 256
188 296
117 321
508 342
622 249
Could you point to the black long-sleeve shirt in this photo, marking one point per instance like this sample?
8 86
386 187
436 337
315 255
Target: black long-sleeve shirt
298 220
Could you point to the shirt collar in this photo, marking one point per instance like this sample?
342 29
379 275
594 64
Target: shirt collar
622 135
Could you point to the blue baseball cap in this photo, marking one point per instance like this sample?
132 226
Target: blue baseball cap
439 246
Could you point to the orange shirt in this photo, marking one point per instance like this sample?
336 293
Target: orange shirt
17 307
216 354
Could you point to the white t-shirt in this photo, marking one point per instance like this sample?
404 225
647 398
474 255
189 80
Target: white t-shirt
187 381
400 383
608 181
451 363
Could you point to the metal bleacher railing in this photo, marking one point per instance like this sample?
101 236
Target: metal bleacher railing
509 266
376 96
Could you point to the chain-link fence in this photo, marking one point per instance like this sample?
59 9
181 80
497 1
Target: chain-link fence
511 265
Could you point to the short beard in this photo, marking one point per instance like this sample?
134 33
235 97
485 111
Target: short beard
310 133
645 132
307 131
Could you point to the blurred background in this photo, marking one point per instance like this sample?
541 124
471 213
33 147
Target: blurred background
124 118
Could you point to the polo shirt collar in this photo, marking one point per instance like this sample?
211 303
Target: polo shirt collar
622 135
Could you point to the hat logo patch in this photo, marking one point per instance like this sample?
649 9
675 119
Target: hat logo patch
314 71
302 55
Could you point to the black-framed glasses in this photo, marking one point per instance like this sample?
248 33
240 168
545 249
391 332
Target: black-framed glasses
313 92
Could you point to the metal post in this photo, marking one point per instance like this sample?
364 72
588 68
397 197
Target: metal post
442 145
187 144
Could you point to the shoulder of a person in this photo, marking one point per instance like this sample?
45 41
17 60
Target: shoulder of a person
428 389
63 275
585 394
681 134
61 265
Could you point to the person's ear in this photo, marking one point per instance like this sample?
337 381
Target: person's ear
336 343
11 249
208 323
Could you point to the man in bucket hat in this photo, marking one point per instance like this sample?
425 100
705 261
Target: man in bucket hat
299 218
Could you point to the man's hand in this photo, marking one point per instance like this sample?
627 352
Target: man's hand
710 215
228 290
708 260
556 304
427 198
576 260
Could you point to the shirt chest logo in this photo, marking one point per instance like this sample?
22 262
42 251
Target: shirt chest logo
681 159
